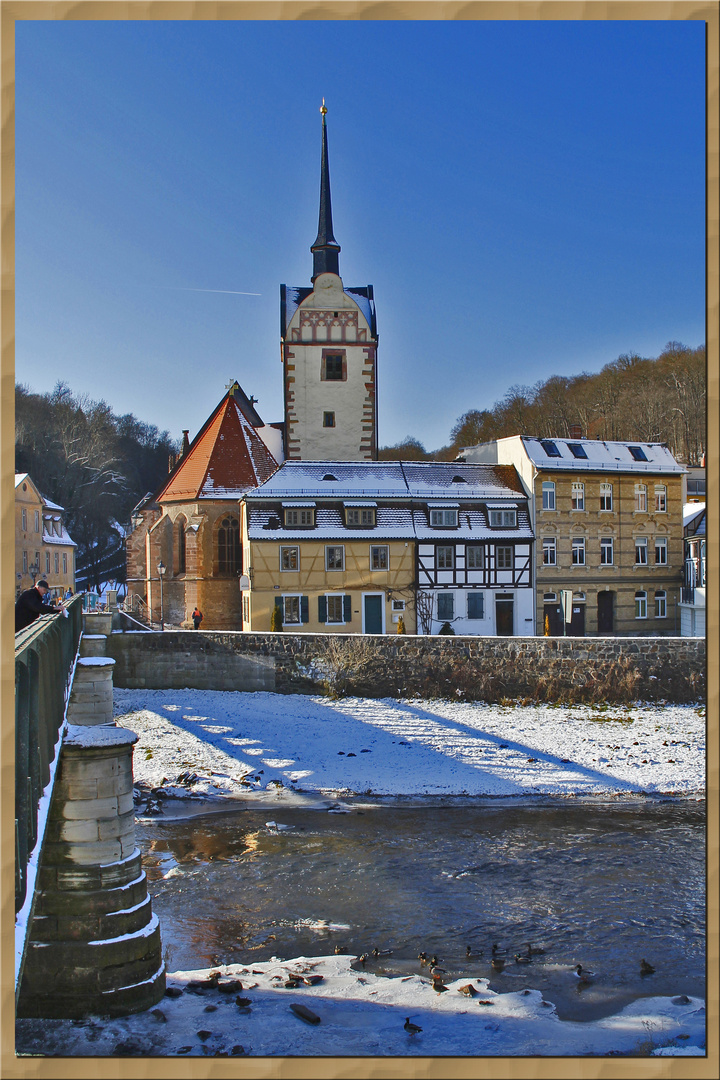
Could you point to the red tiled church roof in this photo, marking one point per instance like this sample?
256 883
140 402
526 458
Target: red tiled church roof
226 458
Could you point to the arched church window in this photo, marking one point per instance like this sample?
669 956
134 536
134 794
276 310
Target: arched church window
228 546
180 545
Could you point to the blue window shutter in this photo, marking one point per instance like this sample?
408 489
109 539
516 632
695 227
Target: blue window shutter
304 609
347 608
475 605
322 609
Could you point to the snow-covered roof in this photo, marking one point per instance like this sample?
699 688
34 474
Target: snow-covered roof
52 505
63 539
580 455
292 296
396 488
694 519
434 480
19 477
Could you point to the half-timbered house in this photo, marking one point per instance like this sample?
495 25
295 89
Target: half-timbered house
352 546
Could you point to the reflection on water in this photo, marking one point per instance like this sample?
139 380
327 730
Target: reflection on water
603 885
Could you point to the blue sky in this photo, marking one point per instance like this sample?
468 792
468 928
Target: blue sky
526 198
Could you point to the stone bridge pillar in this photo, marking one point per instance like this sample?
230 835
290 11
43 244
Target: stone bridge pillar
94 944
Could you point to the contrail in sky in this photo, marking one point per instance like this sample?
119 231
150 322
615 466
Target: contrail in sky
231 292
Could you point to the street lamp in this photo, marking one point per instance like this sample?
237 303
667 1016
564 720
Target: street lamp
161 571
34 570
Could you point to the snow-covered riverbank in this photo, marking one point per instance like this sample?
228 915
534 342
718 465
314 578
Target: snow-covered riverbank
224 744
359 1014
196 746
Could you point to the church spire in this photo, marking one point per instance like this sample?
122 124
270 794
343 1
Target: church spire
325 249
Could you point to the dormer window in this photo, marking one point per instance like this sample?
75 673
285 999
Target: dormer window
577 450
444 519
638 453
360 517
459 480
550 448
503 519
329 476
303 518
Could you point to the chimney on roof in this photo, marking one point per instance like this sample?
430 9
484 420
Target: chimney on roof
185 442
576 431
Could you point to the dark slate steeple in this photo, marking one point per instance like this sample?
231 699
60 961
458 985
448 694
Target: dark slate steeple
326 248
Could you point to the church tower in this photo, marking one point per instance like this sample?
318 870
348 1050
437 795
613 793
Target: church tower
329 347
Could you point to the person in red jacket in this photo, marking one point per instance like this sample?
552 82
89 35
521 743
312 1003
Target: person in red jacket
197 618
30 606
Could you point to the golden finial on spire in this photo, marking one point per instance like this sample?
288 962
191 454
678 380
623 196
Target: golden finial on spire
323 110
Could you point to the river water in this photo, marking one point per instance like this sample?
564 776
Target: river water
600 883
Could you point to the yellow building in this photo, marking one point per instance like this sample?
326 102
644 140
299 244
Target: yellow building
43 547
607 518
350 547
325 553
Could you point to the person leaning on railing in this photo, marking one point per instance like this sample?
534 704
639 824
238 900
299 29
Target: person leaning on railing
30 606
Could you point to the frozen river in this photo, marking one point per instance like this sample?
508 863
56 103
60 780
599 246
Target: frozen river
601 883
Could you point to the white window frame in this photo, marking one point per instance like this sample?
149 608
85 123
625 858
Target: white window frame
606 498
37 521
607 543
57 562
354 517
334 547
661 604
64 562
578 550
47 562
443 518
397 605
577 495
661 551
641 498
335 597
641 545
661 499
379 547
25 562
23 519
289 569
444 547
498 549
548 495
503 519
549 546
298 598
641 604
476 552
299 517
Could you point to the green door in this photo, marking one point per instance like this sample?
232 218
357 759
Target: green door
373 615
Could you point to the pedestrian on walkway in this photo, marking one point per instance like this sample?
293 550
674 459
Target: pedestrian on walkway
30 606
197 618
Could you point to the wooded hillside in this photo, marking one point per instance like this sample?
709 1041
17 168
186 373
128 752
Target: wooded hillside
651 400
95 464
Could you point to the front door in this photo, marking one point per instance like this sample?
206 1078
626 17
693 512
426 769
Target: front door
504 616
553 620
372 621
577 626
605 612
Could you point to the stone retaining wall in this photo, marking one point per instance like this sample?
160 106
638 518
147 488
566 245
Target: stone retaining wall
470 668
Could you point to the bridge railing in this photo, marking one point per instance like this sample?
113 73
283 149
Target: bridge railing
45 654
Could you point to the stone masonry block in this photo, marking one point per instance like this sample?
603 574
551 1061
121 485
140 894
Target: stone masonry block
90 809
88 853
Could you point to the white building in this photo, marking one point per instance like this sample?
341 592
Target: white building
692 605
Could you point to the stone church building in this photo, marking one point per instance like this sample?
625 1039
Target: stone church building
190 527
